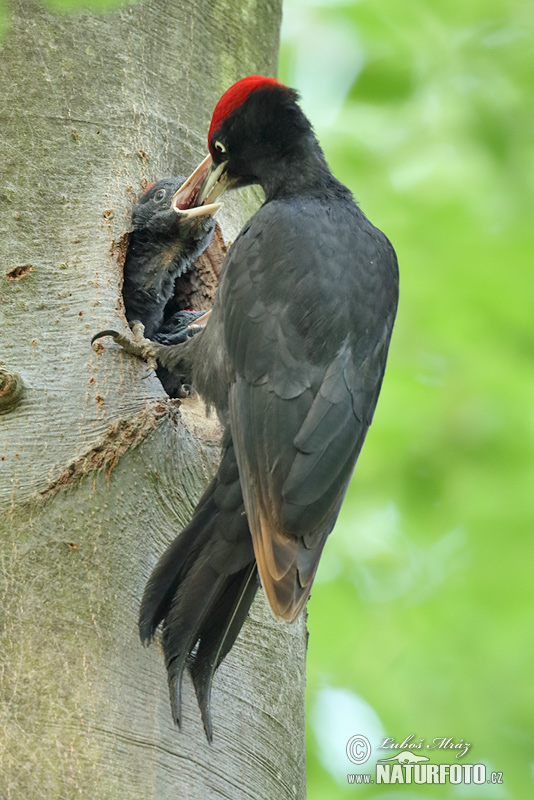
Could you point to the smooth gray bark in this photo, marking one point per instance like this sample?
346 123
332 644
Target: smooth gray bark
98 469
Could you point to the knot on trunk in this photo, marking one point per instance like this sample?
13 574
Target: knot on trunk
11 389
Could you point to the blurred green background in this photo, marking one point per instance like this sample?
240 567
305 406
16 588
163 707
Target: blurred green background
421 614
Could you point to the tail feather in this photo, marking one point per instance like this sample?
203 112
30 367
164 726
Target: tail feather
219 634
202 587
172 566
193 604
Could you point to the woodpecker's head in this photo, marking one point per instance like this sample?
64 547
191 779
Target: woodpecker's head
154 213
257 132
155 202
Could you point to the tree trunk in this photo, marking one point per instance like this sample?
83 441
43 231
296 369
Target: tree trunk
99 469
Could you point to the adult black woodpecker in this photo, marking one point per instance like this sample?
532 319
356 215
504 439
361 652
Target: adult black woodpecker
162 247
292 357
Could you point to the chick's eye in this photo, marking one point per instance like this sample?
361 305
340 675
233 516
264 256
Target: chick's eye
160 195
220 147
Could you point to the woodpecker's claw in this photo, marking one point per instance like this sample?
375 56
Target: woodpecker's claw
101 334
139 346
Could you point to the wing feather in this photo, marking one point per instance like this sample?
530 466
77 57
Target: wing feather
308 355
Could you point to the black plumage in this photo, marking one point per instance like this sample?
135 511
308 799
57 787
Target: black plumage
179 327
205 583
292 358
175 330
163 246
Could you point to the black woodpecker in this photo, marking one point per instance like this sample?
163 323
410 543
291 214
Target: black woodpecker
292 357
162 247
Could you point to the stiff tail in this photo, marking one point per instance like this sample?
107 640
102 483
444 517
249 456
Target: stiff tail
202 588
219 635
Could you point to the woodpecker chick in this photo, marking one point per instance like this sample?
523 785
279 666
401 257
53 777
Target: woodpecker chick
181 326
163 245
177 329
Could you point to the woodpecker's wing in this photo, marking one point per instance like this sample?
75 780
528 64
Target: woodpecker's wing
307 333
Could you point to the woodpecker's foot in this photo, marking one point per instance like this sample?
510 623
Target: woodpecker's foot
137 346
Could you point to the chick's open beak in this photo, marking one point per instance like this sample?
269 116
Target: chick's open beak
197 196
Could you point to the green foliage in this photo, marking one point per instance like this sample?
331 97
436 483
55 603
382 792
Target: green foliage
421 615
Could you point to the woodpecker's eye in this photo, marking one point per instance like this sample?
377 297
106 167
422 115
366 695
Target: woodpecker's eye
220 147
160 195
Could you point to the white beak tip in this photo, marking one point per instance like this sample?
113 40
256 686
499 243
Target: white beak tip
198 211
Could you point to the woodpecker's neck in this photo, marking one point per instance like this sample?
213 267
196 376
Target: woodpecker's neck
302 173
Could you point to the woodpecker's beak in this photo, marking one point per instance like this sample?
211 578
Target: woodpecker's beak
200 322
196 197
215 182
